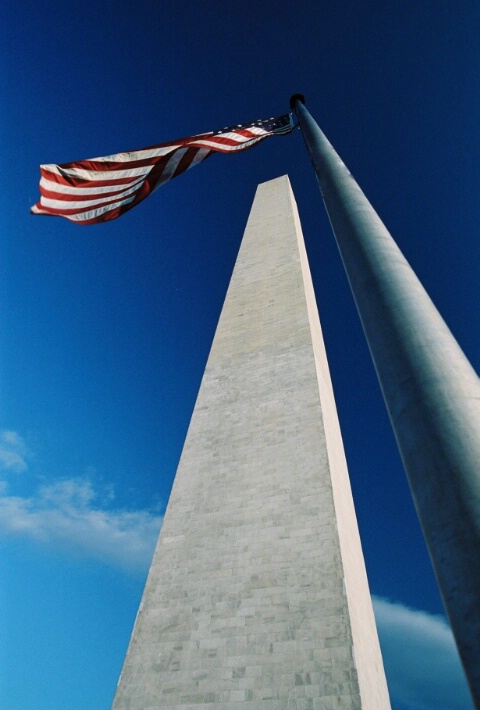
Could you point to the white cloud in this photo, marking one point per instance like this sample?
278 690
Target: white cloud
72 516
13 452
421 660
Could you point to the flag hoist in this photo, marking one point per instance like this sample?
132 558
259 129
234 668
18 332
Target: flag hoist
430 389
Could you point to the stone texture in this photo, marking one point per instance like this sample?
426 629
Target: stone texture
257 597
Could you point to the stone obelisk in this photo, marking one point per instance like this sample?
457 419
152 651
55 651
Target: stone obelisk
257 595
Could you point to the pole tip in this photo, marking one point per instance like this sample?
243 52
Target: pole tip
295 98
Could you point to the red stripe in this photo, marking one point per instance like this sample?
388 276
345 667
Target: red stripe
186 161
73 197
76 210
83 182
108 165
225 141
238 148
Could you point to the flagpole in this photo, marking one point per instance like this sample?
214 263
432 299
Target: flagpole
431 391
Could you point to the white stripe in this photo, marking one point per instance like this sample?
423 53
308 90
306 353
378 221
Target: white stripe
228 148
200 155
241 138
71 204
91 214
258 130
52 186
170 167
127 157
97 174
141 154
37 210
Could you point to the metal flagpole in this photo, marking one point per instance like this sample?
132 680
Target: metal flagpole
430 389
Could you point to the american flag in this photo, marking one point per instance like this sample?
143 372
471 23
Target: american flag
101 189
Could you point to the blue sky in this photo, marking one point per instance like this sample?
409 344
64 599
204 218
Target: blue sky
105 330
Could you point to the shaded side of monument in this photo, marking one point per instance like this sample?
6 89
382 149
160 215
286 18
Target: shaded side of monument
257 595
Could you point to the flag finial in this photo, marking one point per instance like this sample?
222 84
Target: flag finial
294 98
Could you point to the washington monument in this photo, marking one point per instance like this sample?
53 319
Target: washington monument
257 595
